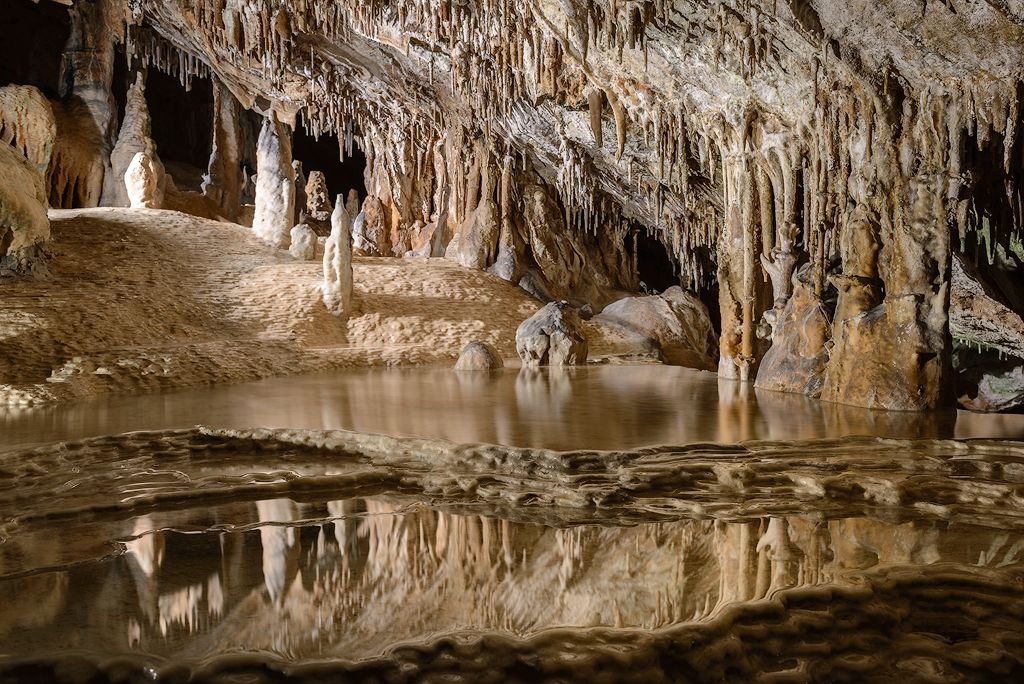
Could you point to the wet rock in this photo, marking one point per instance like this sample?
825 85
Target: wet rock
798 357
303 245
676 320
479 356
552 337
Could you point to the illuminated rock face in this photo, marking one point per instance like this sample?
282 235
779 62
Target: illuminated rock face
543 141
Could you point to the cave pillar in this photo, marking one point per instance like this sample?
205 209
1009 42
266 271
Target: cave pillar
275 184
892 348
741 283
223 183
88 74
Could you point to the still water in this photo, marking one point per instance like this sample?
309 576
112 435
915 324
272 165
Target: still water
304 555
596 407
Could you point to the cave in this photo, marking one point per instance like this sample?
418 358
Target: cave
343 172
421 340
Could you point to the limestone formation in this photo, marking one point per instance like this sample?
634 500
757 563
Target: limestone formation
300 191
798 357
134 138
223 181
318 207
24 225
142 182
303 243
676 321
977 317
479 356
552 337
274 214
337 285
27 123
553 145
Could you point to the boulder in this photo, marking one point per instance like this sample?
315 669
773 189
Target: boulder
142 182
978 317
994 387
676 320
24 225
303 245
552 337
479 356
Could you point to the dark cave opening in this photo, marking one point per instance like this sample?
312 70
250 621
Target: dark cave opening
324 155
993 243
33 45
181 119
655 268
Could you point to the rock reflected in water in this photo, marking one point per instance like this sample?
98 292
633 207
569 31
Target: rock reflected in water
596 407
349 580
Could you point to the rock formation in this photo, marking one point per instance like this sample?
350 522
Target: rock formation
675 321
479 356
23 221
337 285
142 182
303 243
552 337
134 139
553 143
275 185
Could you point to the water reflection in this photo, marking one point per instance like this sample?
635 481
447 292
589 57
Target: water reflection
604 407
351 578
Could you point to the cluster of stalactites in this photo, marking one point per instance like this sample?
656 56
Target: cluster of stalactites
145 47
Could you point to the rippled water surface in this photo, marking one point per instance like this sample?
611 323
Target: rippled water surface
515 527
353 578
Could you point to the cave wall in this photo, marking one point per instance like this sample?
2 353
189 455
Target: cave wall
845 148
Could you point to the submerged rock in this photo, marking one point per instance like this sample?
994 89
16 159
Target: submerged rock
552 337
676 320
479 356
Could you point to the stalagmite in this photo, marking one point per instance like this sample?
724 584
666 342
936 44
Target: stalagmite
223 181
134 138
337 285
275 184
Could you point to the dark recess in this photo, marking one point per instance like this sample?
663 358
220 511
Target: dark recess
34 39
653 264
325 155
182 120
